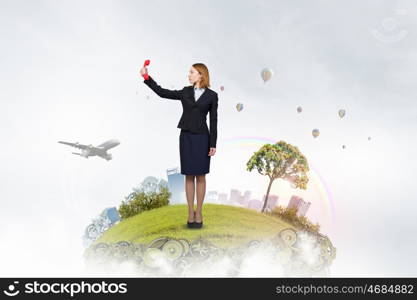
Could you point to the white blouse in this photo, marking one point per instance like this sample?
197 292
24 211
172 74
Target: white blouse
198 92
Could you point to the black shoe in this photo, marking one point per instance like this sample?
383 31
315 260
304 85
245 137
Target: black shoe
190 224
198 224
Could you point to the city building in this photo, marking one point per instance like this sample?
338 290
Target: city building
222 198
301 205
272 201
236 197
212 197
255 204
176 186
246 196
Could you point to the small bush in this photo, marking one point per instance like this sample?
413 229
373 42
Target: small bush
290 215
143 201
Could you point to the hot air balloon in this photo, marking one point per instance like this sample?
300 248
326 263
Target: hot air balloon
343 146
316 133
147 97
239 106
299 109
266 74
222 88
369 138
342 113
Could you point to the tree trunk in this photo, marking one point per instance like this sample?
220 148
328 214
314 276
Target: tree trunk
267 194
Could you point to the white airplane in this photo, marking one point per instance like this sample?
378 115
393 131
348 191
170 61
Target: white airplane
90 150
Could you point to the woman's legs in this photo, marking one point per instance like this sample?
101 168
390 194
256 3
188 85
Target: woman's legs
201 191
189 192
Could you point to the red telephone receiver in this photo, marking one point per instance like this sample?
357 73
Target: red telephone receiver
147 62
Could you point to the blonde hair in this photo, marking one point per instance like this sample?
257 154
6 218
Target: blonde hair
205 77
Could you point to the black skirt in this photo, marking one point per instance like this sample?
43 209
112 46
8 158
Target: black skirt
194 150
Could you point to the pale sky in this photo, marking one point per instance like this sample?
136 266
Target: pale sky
70 71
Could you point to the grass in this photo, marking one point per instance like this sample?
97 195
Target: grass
223 225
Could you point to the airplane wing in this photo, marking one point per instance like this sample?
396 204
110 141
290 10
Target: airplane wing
109 144
76 145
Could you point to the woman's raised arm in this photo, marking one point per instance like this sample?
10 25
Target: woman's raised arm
164 93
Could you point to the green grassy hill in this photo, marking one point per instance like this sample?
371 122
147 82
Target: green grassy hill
224 225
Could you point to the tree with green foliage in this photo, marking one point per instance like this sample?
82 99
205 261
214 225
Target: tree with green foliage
280 160
142 201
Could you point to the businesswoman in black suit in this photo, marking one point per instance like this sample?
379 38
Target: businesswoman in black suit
197 143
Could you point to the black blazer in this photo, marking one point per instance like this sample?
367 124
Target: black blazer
194 112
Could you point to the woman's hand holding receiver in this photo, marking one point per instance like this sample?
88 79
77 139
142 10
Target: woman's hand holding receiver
144 70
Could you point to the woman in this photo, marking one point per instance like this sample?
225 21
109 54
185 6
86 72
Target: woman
197 143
